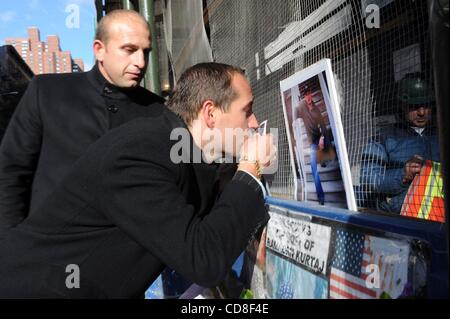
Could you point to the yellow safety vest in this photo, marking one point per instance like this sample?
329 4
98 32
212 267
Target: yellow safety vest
425 198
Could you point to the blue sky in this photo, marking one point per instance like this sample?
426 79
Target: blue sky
50 17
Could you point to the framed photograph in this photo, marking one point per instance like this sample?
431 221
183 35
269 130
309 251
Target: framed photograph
316 137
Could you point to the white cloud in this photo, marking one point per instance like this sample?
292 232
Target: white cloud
87 66
7 16
80 2
34 4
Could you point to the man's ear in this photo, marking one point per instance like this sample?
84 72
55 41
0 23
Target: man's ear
208 113
99 50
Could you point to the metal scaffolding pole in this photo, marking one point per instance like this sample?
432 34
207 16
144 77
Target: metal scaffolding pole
127 5
152 83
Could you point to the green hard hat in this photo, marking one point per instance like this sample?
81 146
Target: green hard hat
414 90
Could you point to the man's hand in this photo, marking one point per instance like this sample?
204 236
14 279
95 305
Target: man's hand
412 168
257 150
321 143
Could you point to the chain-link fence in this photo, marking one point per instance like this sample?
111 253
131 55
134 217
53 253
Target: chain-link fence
373 46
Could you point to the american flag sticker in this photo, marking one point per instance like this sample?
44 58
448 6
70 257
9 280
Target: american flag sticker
364 267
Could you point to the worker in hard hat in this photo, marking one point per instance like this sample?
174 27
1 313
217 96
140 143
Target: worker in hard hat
396 156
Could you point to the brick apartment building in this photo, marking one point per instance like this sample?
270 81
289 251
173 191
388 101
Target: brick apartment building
45 57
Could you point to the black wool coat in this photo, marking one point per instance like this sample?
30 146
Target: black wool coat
58 117
123 212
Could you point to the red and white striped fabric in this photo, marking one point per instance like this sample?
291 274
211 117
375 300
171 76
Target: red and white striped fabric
364 267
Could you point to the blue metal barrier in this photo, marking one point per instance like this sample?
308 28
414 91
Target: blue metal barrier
429 232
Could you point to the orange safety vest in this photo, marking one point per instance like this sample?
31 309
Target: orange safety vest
425 198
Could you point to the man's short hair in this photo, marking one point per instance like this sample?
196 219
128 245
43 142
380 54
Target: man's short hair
200 83
102 32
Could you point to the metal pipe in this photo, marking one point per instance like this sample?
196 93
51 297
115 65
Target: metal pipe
439 31
152 83
9 93
127 5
